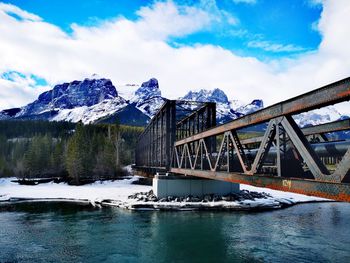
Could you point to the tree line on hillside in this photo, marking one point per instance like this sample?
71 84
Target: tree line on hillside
75 152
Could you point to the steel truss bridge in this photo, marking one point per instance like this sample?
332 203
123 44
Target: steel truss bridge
183 139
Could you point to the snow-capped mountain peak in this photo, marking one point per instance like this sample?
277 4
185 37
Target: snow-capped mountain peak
148 98
148 89
71 95
95 99
203 95
316 117
225 110
244 109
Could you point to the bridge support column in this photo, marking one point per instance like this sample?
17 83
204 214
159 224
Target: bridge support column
181 186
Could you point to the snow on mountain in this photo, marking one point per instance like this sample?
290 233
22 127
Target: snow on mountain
71 95
93 113
316 117
148 98
96 99
236 104
86 101
255 105
216 95
9 113
127 91
90 100
225 110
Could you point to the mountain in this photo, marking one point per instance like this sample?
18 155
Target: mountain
148 98
86 101
96 100
129 115
225 110
255 105
88 92
319 116
92 100
216 95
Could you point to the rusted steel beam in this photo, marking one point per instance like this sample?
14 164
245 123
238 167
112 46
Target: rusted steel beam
252 140
327 95
304 148
335 191
317 129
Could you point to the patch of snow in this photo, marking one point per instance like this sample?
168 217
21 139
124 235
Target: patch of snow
117 193
115 190
4 197
236 104
287 196
316 117
127 91
93 113
150 106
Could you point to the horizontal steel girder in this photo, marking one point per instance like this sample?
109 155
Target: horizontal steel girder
335 191
327 95
317 129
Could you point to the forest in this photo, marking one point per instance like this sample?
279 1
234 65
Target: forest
73 152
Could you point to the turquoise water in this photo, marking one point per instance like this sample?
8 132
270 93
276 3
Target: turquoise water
63 232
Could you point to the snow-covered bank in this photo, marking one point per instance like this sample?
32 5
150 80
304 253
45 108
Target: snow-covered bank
115 193
114 190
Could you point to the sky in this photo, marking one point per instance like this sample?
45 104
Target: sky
251 49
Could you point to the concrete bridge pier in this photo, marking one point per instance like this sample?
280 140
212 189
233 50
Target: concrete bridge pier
180 186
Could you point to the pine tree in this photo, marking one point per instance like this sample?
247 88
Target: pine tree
79 156
37 157
57 158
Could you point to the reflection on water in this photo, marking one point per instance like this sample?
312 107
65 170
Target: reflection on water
66 232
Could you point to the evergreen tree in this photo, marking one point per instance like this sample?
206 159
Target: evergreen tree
105 166
41 148
79 159
37 158
57 158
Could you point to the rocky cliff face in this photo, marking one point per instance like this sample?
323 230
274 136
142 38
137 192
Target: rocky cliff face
71 95
216 95
148 98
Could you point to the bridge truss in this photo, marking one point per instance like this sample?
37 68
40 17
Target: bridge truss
285 157
176 119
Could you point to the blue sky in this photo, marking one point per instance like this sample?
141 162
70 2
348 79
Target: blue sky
262 28
251 49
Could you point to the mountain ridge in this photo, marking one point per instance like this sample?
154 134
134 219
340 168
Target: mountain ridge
95 100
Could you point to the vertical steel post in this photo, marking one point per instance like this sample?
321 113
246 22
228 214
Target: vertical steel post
278 147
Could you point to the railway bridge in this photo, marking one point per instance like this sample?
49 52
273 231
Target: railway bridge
266 148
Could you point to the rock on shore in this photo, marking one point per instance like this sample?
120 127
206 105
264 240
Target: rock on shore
244 200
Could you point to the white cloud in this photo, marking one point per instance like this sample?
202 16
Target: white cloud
17 12
17 89
165 19
274 47
133 51
220 16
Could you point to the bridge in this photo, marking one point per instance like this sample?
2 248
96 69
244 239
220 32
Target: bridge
266 148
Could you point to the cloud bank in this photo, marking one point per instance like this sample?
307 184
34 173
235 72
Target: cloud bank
133 51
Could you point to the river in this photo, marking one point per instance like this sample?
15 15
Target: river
68 232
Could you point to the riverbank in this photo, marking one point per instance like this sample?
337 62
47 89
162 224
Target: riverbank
126 194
